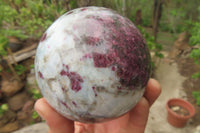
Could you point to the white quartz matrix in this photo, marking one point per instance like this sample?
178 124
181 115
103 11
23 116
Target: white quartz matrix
92 64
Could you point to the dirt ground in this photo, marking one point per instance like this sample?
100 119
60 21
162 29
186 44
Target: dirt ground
187 67
171 82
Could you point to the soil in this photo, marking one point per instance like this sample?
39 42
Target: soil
22 115
174 75
180 110
187 68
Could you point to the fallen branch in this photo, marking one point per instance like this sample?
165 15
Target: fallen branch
21 55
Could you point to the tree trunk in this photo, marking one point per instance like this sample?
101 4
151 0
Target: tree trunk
138 17
157 13
83 3
124 8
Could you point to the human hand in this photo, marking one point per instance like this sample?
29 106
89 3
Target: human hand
132 122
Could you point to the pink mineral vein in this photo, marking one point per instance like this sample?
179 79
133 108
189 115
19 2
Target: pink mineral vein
95 93
74 77
40 75
43 37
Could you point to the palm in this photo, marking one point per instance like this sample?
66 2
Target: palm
128 123
115 126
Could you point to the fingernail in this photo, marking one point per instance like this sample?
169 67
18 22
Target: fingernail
156 84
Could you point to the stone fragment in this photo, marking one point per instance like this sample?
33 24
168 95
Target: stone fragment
8 116
21 115
36 128
17 102
28 107
175 108
10 127
182 41
11 87
181 46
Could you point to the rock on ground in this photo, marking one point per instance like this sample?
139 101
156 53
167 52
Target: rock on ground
36 128
17 101
9 127
9 88
8 116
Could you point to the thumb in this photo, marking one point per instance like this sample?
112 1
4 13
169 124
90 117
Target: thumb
56 122
139 115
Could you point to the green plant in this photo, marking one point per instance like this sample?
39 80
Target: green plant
195 33
8 21
196 95
3 108
20 69
32 66
35 115
195 40
146 22
196 75
36 93
3 45
28 19
153 46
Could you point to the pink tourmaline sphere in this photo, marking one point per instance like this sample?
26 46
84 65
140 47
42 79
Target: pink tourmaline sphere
92 64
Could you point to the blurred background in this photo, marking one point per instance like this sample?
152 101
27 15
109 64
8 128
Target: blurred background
171 29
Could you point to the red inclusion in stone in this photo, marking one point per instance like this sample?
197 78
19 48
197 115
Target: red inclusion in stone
113 68
74 103
86 56
127 51
43 37
76 81
63 103
92 41
63 73
74 77
83 9
63 89
70 12
67 67
40 75
119 87
93 88
102 60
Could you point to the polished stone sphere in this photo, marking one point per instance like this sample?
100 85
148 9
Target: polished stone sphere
92 65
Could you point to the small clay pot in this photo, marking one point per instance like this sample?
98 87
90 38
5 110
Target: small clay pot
174 118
